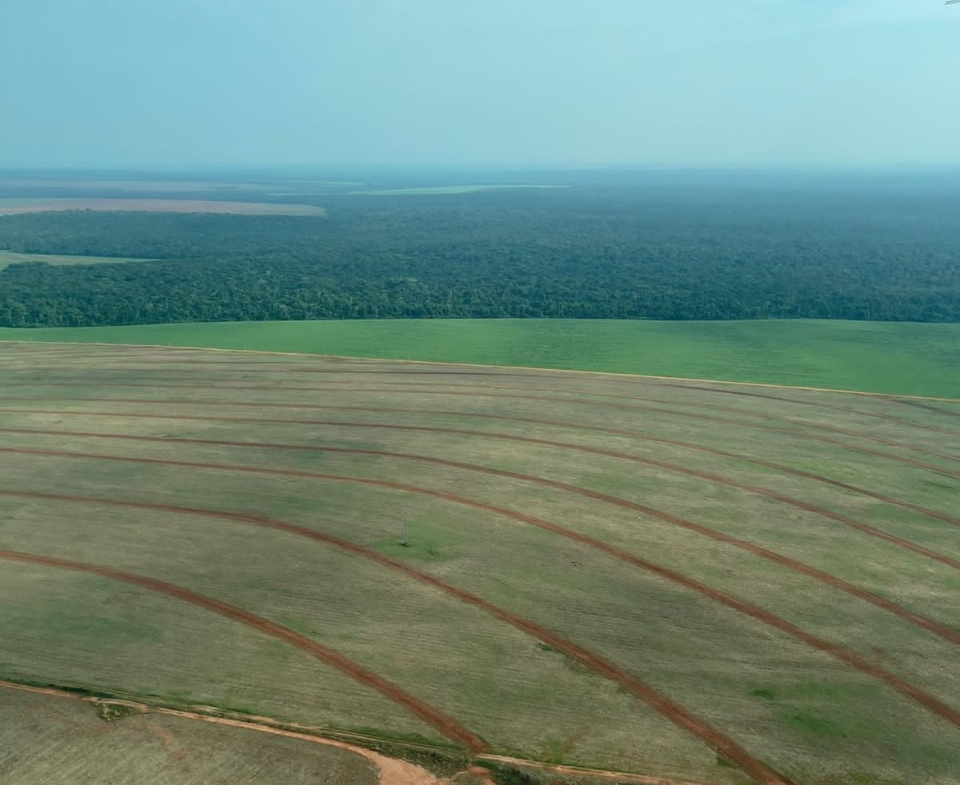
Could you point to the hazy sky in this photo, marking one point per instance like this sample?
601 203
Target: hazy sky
555 82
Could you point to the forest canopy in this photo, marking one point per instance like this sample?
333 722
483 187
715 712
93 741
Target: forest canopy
582 252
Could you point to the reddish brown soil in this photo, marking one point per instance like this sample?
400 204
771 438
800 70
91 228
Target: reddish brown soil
287 368
800 504
928 407
931 626
635 435
797 434
735 603
448 726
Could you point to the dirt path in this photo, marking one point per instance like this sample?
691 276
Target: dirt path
584 657
722 744
656 383
634 435
709 476
391 771
930 625
446 725
798 434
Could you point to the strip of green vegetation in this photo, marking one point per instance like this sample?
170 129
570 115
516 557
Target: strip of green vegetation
444 190
903 358
10 257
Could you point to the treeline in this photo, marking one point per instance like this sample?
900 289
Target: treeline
583 253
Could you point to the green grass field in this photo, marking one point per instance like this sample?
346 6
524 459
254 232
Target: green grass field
696 581
10 257
908 359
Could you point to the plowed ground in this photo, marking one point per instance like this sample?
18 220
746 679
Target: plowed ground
691 581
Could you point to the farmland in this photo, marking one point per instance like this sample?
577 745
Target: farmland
57 740
15 206
9 257
905 359
690 580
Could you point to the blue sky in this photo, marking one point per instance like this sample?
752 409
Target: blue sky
500 82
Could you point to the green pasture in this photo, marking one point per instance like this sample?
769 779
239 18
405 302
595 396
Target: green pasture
898 358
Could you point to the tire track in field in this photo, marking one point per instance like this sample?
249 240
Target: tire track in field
644 401
662 572
797 434
928 407
662 704
446 725
634 435
709 476
946 633
799 402
641 399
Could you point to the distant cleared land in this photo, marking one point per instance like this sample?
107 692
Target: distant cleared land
15 206
10 257
896 358
443 190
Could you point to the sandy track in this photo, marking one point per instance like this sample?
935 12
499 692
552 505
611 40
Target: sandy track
393 771
921 621
709 476
796 434
673 711
446 725
634 435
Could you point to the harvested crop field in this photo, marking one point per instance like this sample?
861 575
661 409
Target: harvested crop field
702 582
45 738
16 206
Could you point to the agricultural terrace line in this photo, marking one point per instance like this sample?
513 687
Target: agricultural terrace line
473 395
577 653
930 625
446 725
634 435
668 708
642 406
735 603
843 519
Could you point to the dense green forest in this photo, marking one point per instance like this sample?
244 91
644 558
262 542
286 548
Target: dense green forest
617 251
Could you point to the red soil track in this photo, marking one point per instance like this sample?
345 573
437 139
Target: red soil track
635 435
941 631
641 399
662 704
448 726
804 434
529 627
799 402
730 601
709 476
928 407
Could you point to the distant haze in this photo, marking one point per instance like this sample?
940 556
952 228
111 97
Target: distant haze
113 83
